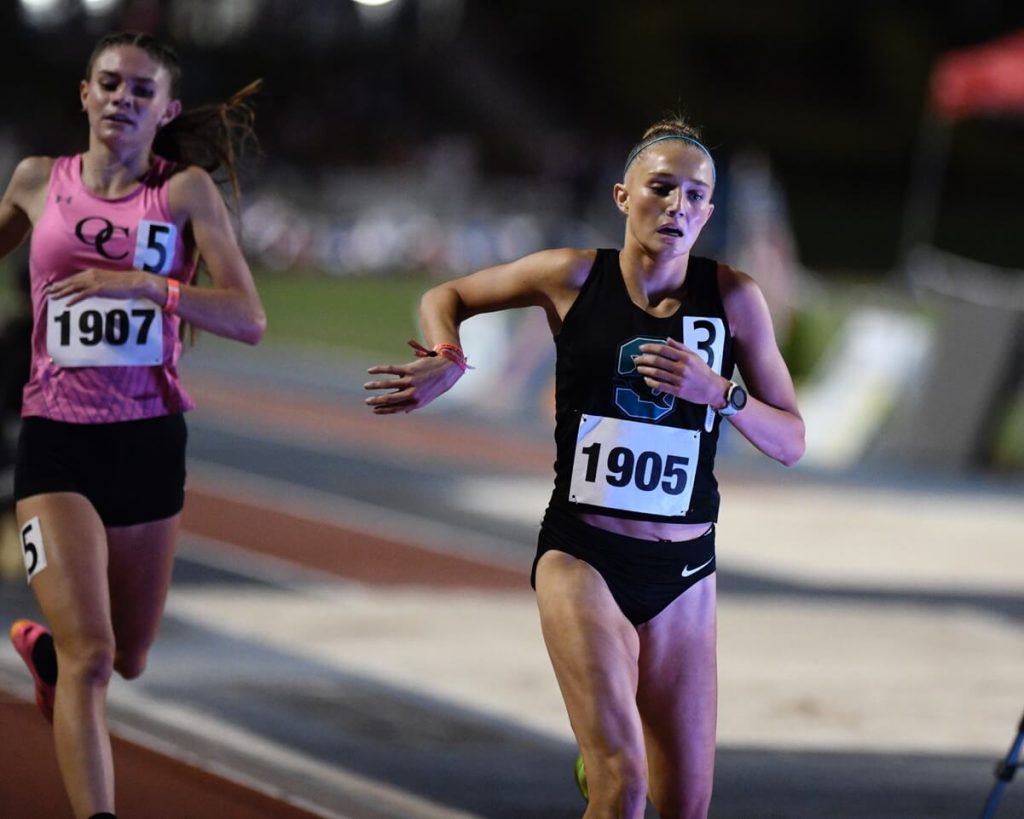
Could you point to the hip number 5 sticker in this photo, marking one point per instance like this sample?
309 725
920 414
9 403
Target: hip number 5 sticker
32 548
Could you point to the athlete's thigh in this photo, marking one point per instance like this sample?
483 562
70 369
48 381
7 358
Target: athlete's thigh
678 695
593 650
141 564
65 543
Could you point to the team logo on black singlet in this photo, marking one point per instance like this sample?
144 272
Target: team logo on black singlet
632 396
96 231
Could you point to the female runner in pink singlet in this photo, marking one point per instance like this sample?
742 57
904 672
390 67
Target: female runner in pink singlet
116 236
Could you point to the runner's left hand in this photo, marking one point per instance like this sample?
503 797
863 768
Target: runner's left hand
112 284
676 369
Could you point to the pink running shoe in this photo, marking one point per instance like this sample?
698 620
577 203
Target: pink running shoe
24 635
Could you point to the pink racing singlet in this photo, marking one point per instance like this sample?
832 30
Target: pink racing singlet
104 360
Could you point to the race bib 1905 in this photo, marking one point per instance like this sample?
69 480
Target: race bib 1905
101 332
634 466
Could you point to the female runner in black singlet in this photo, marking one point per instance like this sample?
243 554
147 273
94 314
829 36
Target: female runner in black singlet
647 338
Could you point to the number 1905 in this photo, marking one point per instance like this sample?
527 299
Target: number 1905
647 471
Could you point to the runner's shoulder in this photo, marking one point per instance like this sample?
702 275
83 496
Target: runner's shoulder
563 267
31 174
743 299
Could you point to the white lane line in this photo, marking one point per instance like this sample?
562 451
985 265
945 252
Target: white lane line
349 786
832 535
473 652
177 751
275 571
512 498
15 682
361 516
128 705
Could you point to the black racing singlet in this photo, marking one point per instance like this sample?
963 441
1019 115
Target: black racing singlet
622 449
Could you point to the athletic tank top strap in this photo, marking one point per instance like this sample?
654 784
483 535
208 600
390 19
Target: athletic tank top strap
701 293
602 272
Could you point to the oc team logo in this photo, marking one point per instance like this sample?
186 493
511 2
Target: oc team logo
97 231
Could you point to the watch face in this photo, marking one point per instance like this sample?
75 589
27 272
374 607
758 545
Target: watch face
738 397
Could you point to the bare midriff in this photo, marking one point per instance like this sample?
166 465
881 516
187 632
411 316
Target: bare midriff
645 529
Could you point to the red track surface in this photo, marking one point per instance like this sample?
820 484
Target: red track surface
356 427
153 786
149 785
333 548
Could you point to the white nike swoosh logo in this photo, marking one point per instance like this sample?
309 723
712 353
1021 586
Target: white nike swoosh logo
687 571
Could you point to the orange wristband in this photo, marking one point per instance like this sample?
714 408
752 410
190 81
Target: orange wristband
445 350
173 296
453 354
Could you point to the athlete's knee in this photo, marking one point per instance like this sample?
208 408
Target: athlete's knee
89 661
629 776
619 778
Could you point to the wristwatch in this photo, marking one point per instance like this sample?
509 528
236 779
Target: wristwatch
735 400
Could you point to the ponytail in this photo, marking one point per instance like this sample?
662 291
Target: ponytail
212 136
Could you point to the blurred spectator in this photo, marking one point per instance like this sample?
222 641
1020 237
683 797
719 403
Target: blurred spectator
15 346
15 351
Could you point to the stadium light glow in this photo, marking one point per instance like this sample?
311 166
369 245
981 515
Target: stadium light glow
373 2
96 8
44 13
40 7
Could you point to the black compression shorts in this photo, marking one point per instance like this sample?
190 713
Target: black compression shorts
644 576
131 471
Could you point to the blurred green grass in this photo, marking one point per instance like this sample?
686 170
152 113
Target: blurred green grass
367 313
377 314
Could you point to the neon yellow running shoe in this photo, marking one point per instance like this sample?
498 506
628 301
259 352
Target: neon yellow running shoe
581 778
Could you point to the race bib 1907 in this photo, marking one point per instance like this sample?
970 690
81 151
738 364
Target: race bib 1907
101 332
634 466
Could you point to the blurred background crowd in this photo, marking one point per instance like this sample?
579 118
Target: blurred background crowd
869 169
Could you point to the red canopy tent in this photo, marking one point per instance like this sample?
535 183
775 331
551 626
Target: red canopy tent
985 79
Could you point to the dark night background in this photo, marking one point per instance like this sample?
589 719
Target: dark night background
871 607
832 92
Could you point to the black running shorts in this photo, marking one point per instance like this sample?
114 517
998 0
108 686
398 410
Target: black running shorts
644 576
131 471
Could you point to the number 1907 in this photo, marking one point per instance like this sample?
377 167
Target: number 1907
113 327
